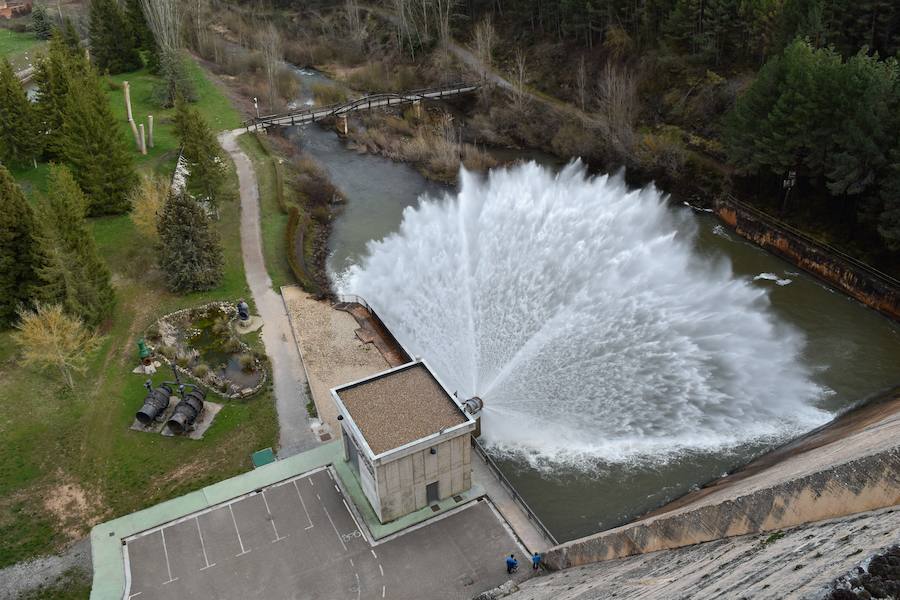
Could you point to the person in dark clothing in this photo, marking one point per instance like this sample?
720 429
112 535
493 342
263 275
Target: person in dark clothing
511 564
535 561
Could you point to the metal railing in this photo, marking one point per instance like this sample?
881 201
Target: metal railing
855 262
310 115
512 492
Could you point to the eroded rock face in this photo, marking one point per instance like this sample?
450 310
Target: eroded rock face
801 562
878 577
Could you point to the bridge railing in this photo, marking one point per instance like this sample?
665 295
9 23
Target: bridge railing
367 101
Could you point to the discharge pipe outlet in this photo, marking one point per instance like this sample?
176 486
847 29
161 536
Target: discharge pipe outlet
187 411
473 406
155 404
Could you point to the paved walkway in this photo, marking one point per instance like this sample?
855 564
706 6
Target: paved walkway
526 531
288 378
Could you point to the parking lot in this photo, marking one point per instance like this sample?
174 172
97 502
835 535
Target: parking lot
298 539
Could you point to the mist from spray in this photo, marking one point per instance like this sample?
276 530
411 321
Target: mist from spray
581 314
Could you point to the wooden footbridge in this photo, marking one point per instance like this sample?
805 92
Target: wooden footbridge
313 114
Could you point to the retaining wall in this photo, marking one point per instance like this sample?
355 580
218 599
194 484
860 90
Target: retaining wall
856 471
872 288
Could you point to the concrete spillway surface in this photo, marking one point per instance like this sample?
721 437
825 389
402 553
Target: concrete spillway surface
626 349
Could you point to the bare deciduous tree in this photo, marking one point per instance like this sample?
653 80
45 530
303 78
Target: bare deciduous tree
618 106
484 41
354 22
270 45
49 337
164 19
581 82
520 76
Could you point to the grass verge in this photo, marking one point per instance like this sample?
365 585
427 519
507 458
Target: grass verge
19 48
274 220
70 460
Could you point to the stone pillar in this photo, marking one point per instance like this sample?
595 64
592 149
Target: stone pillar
143 140
343 126
418 106
128 115
134 131
150 130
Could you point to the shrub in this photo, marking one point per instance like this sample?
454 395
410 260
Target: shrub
247 362
232 344
167 351
286 84
328 94
201 370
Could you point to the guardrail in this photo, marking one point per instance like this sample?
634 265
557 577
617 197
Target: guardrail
855 262
512 492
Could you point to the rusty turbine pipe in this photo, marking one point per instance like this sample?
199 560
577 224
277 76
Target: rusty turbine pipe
187 411
155 404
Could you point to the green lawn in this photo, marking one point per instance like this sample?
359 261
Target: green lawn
69 459
274 222
19 48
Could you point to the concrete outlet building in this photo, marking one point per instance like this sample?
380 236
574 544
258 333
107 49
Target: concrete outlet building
406 437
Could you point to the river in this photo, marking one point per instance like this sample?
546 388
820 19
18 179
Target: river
852 351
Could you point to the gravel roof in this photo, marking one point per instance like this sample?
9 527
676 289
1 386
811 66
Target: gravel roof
400 407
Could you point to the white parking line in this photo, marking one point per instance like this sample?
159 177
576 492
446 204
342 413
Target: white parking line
347 506
336 532
278 538
358 586
162 534
203 546
309 479
373 553
134 594
238 532
383 588
302 503
381 569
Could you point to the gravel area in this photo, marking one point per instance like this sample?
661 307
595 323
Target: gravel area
26 576
400 407
331 352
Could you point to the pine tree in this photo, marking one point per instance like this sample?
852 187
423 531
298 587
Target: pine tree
19 252
74 276
143 37
94 147
113 46
52 77
41 23
20 138
189 253
70 35
201 150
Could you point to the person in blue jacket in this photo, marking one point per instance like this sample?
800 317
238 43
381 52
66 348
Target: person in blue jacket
535 561
511 564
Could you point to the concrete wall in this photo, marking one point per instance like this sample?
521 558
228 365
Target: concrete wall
401 483
852 279
852 467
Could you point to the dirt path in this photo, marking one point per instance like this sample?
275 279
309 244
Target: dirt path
288 378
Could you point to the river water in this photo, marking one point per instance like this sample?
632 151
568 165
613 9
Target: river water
849 352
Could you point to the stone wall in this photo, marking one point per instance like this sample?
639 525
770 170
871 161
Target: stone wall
847 275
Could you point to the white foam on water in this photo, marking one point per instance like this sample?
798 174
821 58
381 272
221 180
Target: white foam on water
577 309
772 277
